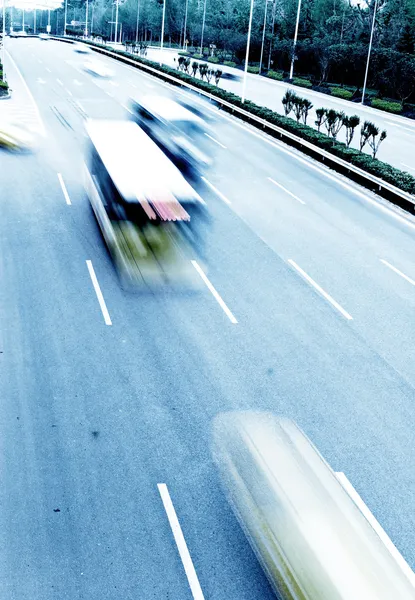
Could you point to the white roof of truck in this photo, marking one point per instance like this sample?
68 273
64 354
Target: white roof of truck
139 169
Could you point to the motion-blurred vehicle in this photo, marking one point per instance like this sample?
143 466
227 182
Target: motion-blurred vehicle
17 34
312 540
44 36
231 76
14 136
81 48
148 213
98 68
176 130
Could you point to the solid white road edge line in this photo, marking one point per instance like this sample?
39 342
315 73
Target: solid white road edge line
286 191
180 542
43 129
320 290
126 108
216 141
214 293
98 292
376 526
212 187
64 190
60 82
385 262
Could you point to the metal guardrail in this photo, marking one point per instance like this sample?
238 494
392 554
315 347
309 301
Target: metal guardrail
371 182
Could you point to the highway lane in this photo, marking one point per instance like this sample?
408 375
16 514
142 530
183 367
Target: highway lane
289 352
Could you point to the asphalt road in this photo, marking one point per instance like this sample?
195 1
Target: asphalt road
93 417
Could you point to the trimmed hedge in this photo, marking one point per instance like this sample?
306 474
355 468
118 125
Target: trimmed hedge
341 93
400 179
254 70
392 107
199 56
229 63
275 75
213 59
182 53
305 83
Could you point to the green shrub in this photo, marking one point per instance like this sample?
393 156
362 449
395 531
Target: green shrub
400 179
229 63
275 75
213 59
306 83
341 93
253 70
181 53
199 56
392 107
4 85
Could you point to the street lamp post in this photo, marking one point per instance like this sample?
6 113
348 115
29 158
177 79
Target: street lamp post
3 39
185 25
23 25
370 50
263 35
247 50
295 39
48 28
66 14
86 20
138 18
162 31
203 28
116 21
274 6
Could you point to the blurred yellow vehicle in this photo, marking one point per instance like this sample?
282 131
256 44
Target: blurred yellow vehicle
16 136
310 537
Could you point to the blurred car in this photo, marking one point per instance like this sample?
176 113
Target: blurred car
81 48
179 132
310 537
98 68
44 36
16 34
15 136
231 76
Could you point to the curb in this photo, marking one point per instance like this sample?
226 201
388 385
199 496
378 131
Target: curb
6 96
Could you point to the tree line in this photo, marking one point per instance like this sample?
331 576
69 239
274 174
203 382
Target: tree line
333 35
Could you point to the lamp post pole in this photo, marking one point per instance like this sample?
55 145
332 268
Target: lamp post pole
295 39
66 14
3 39
185 25
247 50
162 31
138 18
116 21
263 36
203 28
370 50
